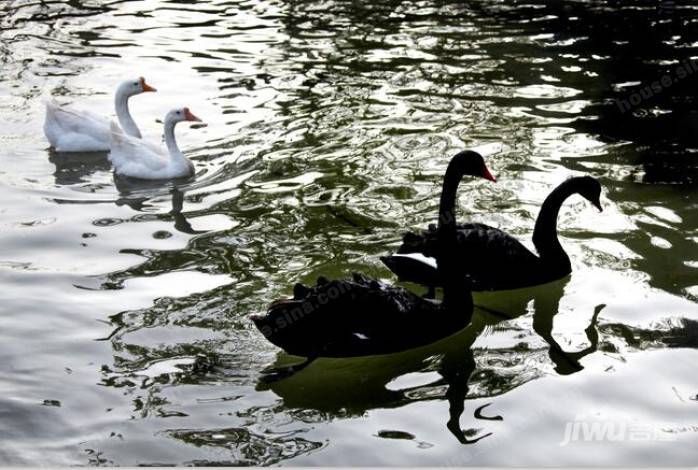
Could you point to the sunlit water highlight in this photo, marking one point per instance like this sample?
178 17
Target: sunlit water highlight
123 310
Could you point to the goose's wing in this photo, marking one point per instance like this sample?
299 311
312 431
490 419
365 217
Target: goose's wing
67 119
72 130
127 151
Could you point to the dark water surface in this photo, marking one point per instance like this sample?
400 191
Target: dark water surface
124 307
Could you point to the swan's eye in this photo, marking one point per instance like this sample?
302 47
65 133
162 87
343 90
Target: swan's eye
135 83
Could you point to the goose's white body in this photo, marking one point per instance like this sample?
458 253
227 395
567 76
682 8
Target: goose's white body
70 130
73 130
137 158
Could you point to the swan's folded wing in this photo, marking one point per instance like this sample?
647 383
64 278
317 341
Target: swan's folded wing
493 246
480 244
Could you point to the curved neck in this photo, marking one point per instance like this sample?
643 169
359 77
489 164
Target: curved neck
170 141
123 114
178 161
458 298
545 233
447 203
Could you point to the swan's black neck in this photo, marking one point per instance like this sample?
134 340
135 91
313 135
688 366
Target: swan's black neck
447 203
458 299
545 233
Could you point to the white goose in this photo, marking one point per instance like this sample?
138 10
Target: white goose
140 159
72 130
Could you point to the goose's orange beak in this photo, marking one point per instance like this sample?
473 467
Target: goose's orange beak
189 116
145 86
487 175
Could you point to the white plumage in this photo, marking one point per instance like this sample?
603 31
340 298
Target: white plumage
137 158
69 130
73 130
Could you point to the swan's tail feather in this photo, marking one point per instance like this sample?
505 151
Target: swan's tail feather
413 243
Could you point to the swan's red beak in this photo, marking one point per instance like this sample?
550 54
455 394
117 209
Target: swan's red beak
487 175
145 86
189 116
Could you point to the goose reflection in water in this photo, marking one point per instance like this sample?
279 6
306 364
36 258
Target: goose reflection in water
342 386
136 194
77 168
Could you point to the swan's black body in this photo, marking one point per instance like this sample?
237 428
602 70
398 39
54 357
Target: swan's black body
491 258
362 316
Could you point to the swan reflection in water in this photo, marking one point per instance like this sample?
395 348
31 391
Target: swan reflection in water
373 380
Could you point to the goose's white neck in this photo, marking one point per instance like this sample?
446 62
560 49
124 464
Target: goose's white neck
170 140
177 158
122 113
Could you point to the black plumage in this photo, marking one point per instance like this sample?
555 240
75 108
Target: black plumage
359 317
491 259
363 316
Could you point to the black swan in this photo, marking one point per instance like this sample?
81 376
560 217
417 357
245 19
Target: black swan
493 259
325 388
363 316
360 317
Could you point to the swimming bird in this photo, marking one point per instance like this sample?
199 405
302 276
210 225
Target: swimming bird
73 130
363 316
137 158
494 259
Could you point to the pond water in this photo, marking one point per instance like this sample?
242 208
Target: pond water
124 306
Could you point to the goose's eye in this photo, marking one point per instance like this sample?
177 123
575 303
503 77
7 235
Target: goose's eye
178 113
135 83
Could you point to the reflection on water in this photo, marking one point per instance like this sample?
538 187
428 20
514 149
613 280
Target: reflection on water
76 169
329 126
453 360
